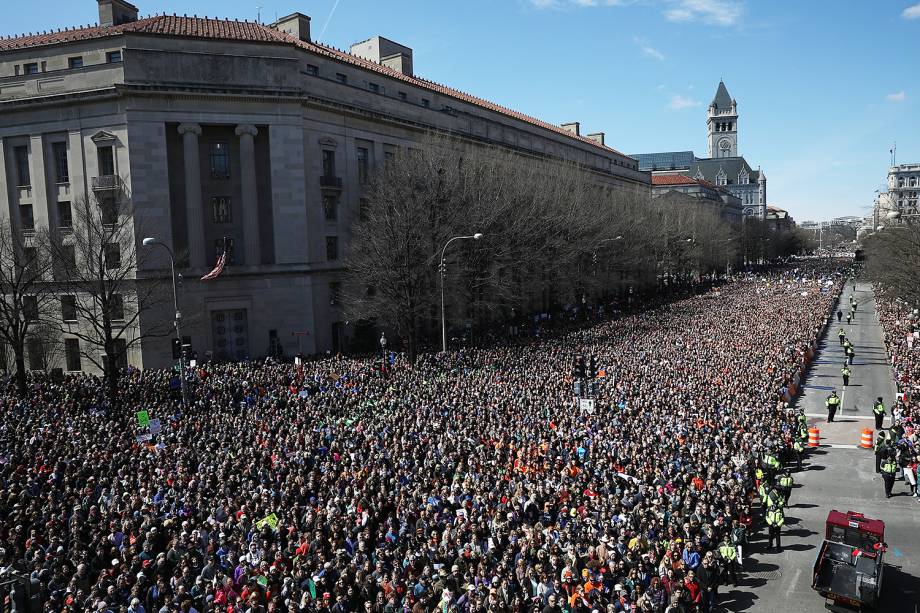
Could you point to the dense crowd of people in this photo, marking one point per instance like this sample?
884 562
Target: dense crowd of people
470 481
900 442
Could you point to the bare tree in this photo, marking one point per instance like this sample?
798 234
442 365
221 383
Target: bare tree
25 294
893 259
95 266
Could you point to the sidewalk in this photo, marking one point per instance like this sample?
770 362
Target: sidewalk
871 376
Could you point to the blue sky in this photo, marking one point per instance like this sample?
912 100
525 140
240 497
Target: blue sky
824 87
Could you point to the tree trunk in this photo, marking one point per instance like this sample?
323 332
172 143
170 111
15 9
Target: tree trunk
20 372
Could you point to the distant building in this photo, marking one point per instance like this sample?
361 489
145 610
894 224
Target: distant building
729 205
724 167
779 219
903 188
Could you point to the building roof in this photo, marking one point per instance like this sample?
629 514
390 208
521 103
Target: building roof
667 160
224 29
722 101
676 180
709 168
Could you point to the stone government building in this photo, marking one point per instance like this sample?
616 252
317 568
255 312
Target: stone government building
214 128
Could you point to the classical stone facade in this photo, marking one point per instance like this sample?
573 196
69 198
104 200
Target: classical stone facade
239 134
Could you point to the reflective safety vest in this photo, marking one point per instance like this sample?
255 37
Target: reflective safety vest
845 372
771 462
879 408
785 481
728 552
762 492
775 517
841 333
833 401
774 500
882 439
847 345
798 446
758 474
889 467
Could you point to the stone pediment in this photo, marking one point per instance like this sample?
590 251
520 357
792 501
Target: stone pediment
103 137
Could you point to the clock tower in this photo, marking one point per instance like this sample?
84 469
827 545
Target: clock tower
722 121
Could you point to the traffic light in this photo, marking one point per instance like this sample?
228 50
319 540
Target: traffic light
176 348
580 367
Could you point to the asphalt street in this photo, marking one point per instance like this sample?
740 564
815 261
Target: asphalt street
838 475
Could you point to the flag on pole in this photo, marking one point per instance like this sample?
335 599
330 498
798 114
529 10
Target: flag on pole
219 268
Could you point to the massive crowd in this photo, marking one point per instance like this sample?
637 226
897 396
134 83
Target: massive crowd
901 325
463 482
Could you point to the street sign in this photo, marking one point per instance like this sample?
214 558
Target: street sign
587 405
143 418
154 426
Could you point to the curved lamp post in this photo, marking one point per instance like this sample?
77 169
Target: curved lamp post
476 237
155 242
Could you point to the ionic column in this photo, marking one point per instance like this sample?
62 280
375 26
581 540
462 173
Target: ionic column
193 210
250 203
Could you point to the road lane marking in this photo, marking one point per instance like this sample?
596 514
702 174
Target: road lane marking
795 580
824 415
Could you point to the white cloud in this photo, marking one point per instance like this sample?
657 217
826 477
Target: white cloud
911 12
900 96
716 12
648 50
679 102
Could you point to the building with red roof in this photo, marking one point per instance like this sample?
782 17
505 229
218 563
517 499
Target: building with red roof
217 128
728 205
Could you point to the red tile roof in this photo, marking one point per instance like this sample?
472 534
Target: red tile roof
203 27
674 180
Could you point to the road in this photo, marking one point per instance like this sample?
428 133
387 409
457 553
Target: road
838 475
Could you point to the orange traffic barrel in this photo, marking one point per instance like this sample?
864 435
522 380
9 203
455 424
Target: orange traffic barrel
813 436
866 440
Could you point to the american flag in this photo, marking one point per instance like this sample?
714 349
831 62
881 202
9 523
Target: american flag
219 268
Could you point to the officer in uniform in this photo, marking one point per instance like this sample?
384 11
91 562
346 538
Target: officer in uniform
879 411
798 447
784 485
729 555
849 317
832 403
851 353
775 521
841 335
839 315
882 443
845 372
889 468
771 467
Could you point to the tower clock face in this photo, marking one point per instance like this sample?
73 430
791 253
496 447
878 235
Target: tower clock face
725 144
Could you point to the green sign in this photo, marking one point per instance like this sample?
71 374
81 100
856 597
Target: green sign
270 520
143 418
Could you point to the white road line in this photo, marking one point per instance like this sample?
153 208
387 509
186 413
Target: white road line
841 414
794 582
841 446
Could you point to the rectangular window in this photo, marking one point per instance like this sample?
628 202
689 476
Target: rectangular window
341 78
335 293
220 209
362 164
332 248
72 353
69 308
116 307
363 209
30 308
75 62
120 347
113 57
25 217
220 160
328 163
312 70
65 216
30 68
36 355
106 158
112 256
374 88
108 206
61 169
21 159
426 103
403 96
30 262
330 207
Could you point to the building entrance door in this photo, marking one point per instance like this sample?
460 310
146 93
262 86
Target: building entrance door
230 331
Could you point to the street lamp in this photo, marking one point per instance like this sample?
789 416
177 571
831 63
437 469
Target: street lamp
442 269
154 242
383 345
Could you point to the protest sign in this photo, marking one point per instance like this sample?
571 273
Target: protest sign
269 520
155 426
143 418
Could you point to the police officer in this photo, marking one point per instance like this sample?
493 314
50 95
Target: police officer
851 352
729 555
849 317
841 335
775 521
832 403
889 467
784 485
878 409
845 373
771 466
882 442
798 447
